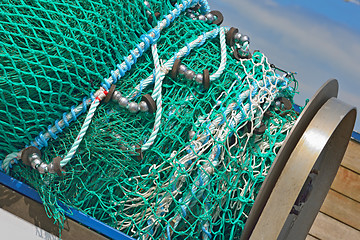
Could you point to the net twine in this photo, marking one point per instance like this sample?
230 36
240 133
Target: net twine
204 158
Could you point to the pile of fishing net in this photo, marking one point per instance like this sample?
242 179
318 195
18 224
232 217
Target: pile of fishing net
174 143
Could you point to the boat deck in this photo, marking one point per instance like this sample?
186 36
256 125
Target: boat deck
339 216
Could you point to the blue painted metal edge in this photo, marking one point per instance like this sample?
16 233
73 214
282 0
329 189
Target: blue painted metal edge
297 108
69 211
356 136
81 217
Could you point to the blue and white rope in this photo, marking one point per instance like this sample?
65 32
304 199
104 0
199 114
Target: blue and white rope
150 38
147 39
82 132
205 171
6 163
182 52
157 96
221 68
159 75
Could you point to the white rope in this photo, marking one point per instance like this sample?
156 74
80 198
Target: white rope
159 76
181 53
83 130
6 162
221 68
131 58
161 70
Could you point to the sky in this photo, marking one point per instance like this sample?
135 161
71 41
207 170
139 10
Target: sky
318 39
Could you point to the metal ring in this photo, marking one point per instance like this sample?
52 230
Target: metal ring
110 93
321 147
326 91
230 36
219 17
206 79
150 103
57 167
175 69
27 152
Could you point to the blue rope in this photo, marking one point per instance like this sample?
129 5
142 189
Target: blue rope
65 119
114 78
177 12
146 40
84 105
105 84
121 71
74 117
183 210
128 64
57 126
53 135
133 55
188 49
168 232
139 49
206 232
41 140
205 8
167 20
218 152
224 116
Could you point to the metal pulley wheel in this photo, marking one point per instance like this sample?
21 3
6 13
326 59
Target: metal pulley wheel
300 177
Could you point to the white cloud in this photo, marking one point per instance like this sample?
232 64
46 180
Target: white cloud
297 40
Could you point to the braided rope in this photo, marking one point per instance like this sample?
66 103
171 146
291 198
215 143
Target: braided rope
207 163
147 39
181 53
6 163
221 68
82 132
207 168
159 76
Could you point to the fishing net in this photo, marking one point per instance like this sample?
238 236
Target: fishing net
189 164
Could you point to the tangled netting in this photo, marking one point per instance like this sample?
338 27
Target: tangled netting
193 168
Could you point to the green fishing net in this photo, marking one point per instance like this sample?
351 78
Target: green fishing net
213 149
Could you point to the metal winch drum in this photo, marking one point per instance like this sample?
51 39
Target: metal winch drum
306 165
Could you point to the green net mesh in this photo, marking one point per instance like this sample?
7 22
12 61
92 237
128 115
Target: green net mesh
200 177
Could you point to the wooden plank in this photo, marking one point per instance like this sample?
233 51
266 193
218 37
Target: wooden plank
342 208
13 227
326 227
309 237
347 182
34 213
352 157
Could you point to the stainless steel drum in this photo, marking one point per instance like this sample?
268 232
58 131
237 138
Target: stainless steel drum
303 170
